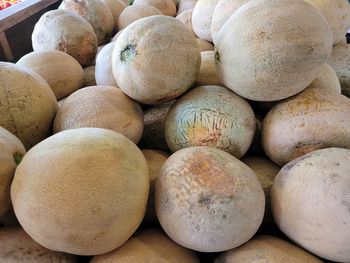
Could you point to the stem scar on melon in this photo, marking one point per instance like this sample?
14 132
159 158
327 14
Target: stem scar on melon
17 157
128 53
217 57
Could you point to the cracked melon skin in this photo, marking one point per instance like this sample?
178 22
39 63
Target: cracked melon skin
148 246
204 197
267 249
28 105
95 193
17 247
312 120
156 59
273 58
67 32
210 116
311 202
97 13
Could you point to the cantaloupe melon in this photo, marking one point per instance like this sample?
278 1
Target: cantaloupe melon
92 199
103 68
67 32
61 71
167 7
116 7
27 104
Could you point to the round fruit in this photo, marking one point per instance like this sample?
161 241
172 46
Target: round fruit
101 107
278 51
116 7
208 200
210 116
90 184
311 202
61 71
156 59
103 68
67 32
27 104
167 7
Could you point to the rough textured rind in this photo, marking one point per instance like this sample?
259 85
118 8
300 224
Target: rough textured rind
94 197
266 172
61 71
116 7
67 32
149 246
103 68
210 116
18 247
312 120
279 47
101 107
135 12
154 123
204 197
340 62
201 18
337 14
155 159
311 202
267 249
207 73
96 12
27 104
156 59
222 12
167 7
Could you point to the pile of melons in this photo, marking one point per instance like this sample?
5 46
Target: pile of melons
180 132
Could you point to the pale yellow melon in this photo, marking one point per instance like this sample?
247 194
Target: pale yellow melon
167 7
271 59
147 246
67 32
61 71
103 68
96 12
92 199
101 107
27 104
116 7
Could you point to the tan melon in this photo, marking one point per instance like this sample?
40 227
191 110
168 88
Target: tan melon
13 144
266 172
136 12
204 197
210 116
103 68
17 246
116 7
67 32
284 54
89 76
185 5
27 104
167 7
205 45
156 59
311 202
269 249
340 61
222 12
154 123
186 18
87 194
207 73
155 159
149 245
337 14
326 80
312 120
61 71
96 12
201 18
101 107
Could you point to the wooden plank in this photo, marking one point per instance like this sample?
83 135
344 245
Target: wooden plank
6 47
18 12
